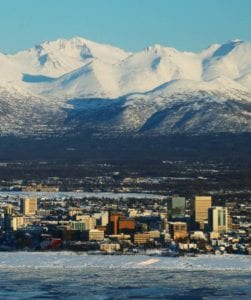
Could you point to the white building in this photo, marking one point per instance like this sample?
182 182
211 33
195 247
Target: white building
218 219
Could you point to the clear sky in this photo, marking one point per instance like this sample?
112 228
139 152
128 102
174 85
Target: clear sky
129 24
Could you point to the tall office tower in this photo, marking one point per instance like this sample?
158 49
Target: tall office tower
29 206
218 219
176 208
201 206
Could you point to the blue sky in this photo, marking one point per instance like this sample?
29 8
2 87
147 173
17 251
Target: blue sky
129 24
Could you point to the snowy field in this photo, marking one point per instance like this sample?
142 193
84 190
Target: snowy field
72 260
80 195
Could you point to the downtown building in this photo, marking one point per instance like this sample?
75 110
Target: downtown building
28 206
218 219
201 206
176 207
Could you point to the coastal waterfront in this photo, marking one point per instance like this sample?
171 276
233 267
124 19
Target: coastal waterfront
122 223
69 275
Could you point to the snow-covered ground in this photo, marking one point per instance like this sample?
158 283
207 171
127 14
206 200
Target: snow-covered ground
64 195
72 260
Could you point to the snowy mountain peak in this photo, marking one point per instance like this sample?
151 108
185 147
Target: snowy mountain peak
46 68
158 90
160 50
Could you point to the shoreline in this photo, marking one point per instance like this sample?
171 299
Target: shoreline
80 261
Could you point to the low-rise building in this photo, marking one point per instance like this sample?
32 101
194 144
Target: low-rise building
141 238
96 235
110 247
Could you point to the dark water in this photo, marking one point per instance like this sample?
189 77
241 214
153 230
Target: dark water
123 284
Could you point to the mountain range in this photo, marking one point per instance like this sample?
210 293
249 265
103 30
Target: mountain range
63 86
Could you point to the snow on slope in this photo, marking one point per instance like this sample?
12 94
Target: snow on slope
94 80
22 112
145 70
56 58
81 68
232 60
10 70
183 106
159 89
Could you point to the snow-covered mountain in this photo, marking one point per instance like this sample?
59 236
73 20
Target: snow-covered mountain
158 90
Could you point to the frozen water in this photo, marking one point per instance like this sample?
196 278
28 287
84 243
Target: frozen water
73 260
70 275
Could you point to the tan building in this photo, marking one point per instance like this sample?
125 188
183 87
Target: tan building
17 222
141 238
39 188
96 235
78 225
8 210
201 206
90 222
218 219
155 234
12 222
29 206
110 247
72 212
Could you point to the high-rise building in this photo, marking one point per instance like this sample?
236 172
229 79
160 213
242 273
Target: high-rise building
176 208
218 219
29 206
201 206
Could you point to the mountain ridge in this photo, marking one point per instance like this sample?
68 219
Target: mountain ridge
159 90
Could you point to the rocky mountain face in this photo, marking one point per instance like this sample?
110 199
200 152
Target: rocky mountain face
69 85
